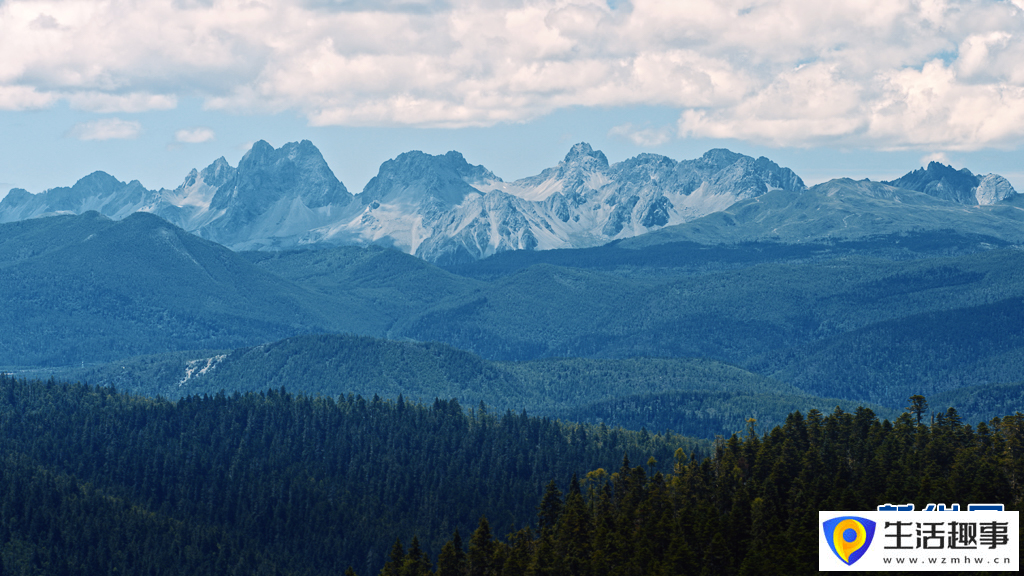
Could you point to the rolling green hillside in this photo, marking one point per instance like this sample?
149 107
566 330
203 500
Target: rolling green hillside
392 284
978 403
731 315
82 289
694 397
862 320
114 289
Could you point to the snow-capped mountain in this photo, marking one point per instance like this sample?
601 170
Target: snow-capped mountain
446 210
843 209
98 191
272 199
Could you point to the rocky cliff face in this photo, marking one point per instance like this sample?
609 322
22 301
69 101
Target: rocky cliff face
959 186
273 198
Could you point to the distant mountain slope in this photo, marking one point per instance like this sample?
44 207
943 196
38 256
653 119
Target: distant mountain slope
664 259
394 285
960 186
85 288
708 397
841 209
980 403
933 352
885 318
785 310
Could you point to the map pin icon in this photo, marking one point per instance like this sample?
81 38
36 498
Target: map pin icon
848 537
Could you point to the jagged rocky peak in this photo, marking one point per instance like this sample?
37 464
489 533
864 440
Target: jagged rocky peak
190 179
15 197
217 173
416 177
728 174
97 182
960 186
719 158
266 175
779 177
89 193
726 162
584 156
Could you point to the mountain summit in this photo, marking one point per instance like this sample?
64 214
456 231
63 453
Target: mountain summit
960 186
274 197
446 210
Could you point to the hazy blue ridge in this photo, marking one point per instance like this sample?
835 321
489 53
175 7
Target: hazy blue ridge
688 396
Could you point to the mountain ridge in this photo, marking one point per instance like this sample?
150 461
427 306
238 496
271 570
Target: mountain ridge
440 208
446 210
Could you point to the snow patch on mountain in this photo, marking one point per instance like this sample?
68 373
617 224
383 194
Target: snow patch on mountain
446 210
200 367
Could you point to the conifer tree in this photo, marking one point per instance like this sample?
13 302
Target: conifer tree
452 560
393 567
481 550
416 562
550 507
918 406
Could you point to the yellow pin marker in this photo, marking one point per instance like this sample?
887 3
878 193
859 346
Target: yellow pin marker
844 547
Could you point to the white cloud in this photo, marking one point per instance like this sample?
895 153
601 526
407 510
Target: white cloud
877 73
194 136
24 98
105 129
644 137
939 157
104 103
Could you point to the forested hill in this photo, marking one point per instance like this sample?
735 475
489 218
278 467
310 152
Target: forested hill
752 509
693 397
93 481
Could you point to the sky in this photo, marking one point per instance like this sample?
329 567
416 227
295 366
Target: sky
838 88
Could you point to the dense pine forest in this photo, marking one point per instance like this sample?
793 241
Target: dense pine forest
94 481
752 507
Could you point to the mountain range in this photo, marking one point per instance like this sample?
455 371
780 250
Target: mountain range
855 290
873 319
447 211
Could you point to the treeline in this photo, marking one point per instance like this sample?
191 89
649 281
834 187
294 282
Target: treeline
97 481
749 509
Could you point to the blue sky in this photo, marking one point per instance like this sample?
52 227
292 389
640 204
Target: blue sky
857 88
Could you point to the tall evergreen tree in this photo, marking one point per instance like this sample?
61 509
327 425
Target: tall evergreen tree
452 560
481 550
